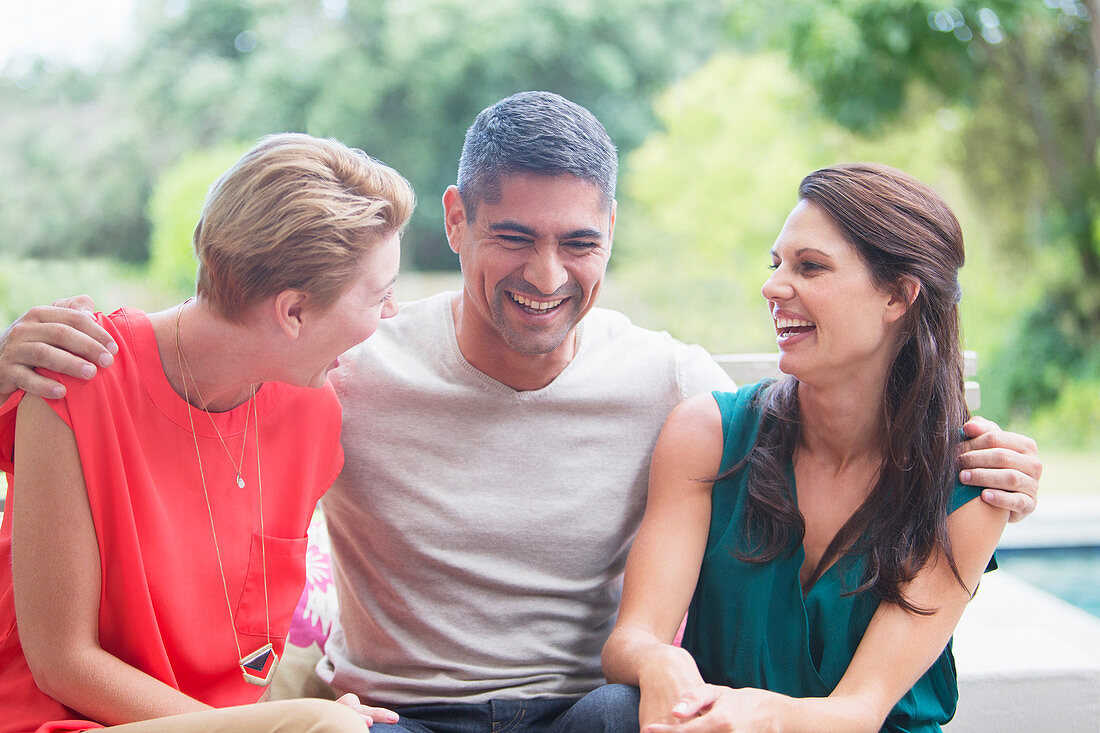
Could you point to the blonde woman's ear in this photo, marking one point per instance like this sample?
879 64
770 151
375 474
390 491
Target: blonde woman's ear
289 306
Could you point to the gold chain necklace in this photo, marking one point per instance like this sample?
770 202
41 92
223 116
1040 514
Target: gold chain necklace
239 465
254 664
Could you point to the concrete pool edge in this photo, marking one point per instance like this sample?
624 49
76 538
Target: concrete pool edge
1027 661
1060 520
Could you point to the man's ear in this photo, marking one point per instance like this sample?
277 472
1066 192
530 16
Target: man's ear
907 292
289 306
454 217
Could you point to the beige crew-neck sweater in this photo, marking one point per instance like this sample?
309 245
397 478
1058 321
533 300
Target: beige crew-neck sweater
479 534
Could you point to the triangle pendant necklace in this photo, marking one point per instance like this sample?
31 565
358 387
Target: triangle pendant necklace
258 667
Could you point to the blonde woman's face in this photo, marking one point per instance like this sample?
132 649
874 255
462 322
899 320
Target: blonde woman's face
355 315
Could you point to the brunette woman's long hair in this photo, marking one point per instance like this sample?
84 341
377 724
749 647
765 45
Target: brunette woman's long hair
901 229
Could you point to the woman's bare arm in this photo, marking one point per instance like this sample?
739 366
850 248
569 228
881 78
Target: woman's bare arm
56 569
897 648
664 561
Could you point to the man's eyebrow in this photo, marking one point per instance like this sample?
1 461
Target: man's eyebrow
515 226
511 226
583 234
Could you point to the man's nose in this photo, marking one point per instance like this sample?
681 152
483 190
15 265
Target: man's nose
546 271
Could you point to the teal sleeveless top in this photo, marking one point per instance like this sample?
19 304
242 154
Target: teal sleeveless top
749 624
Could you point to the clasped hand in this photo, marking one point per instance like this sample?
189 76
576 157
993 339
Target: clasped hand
708 708
371 715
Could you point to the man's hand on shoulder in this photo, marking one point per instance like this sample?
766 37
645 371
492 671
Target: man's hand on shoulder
62 337
1005 464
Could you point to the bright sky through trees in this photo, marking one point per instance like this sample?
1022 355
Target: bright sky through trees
77 31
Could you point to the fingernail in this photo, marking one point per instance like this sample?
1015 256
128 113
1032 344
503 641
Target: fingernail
679 708
112 347
58 392
965 477
106 360
391 718
87 371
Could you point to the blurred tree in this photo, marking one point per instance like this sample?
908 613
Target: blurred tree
705 197
174 209
76 172
1027 74
400 78
404 78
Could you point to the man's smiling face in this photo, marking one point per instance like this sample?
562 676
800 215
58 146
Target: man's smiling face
533 260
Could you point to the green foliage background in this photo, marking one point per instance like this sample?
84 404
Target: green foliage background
718 107
401 79
174 209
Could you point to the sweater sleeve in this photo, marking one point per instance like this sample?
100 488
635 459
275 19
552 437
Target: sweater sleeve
697 372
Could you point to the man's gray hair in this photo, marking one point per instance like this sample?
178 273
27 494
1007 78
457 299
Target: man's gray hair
534 132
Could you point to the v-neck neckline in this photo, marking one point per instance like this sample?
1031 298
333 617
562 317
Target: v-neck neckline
800 553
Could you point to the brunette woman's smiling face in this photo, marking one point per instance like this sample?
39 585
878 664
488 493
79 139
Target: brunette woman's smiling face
830 319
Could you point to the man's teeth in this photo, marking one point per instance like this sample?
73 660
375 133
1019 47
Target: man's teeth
536 305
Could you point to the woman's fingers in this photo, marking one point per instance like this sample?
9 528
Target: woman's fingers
370 714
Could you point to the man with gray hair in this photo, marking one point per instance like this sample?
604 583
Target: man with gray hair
498 443
497 446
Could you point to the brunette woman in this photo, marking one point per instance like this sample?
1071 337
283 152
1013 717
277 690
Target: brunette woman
828 563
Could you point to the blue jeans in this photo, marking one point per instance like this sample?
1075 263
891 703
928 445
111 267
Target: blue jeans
609 709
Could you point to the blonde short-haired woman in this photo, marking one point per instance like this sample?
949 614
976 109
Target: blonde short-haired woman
152 551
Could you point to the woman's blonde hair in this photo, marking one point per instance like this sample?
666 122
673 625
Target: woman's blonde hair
295 212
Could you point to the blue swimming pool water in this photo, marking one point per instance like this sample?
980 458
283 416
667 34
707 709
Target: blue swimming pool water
1071 573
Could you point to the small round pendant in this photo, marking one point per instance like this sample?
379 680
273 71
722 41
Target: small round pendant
240 481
